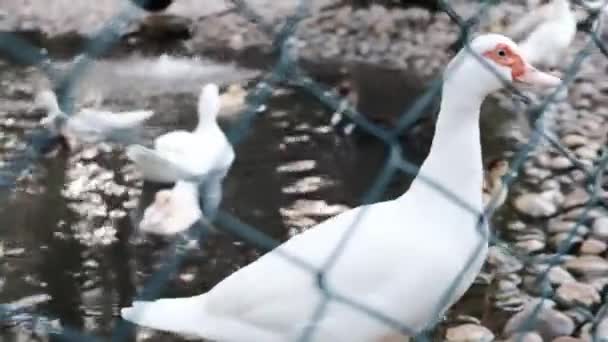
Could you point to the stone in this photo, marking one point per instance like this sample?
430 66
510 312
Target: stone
561 163
601 330
530 246
579 315
599 283
593 246
535 205
574 140
548 323
577 197
586 153
469 333
561 226
599 229
588 265
504 263
537 286
563 241
568 339
573 294
525 337
516 226
557 276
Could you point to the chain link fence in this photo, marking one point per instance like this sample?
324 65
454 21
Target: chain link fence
286 71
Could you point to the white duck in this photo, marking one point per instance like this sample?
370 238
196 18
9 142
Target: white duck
203 155
89 125
402 256
549 31
173 211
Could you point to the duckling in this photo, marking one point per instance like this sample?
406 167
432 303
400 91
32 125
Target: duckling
492 183
173 210
233 99
89 125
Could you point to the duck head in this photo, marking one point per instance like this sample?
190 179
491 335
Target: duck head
490 63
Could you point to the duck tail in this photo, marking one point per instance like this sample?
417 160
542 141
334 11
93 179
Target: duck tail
191 316
177 315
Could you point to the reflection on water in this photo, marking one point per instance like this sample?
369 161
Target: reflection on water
291 172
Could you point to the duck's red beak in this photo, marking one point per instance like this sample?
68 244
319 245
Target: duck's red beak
529 75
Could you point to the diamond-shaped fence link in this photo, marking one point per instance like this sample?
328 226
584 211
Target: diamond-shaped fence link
286 71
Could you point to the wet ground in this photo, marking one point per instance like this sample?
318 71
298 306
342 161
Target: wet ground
68 235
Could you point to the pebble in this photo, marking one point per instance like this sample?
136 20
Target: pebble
593 246
558 275
573 294
561 163
586 153
559 226
599 229
579 315
549 323
530 246
537 286
574 140
577 197
568 339
525 337
469 333
599 283
588 265
601 330
516 226
504 263
564 241
535 205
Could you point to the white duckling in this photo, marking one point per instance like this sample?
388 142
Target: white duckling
89 125
233 99
549 31
409 258
173 210
203 155
493 184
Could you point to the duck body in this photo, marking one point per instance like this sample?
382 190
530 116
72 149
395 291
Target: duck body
173 211
555 29
409 258
178 155
90 125
266 316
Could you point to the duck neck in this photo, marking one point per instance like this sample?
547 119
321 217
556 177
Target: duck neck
204 123
562 8
454 161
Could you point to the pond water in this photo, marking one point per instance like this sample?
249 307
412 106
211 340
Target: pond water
68 235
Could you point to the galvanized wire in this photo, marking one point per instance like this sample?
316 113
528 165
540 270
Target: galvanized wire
286 71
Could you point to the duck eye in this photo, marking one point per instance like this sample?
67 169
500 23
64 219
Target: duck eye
502 53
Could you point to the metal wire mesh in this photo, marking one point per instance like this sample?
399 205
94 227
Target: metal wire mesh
287 71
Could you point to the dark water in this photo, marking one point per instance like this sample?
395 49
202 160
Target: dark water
291 171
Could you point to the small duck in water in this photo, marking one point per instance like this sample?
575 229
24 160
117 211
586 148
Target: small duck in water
493 184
